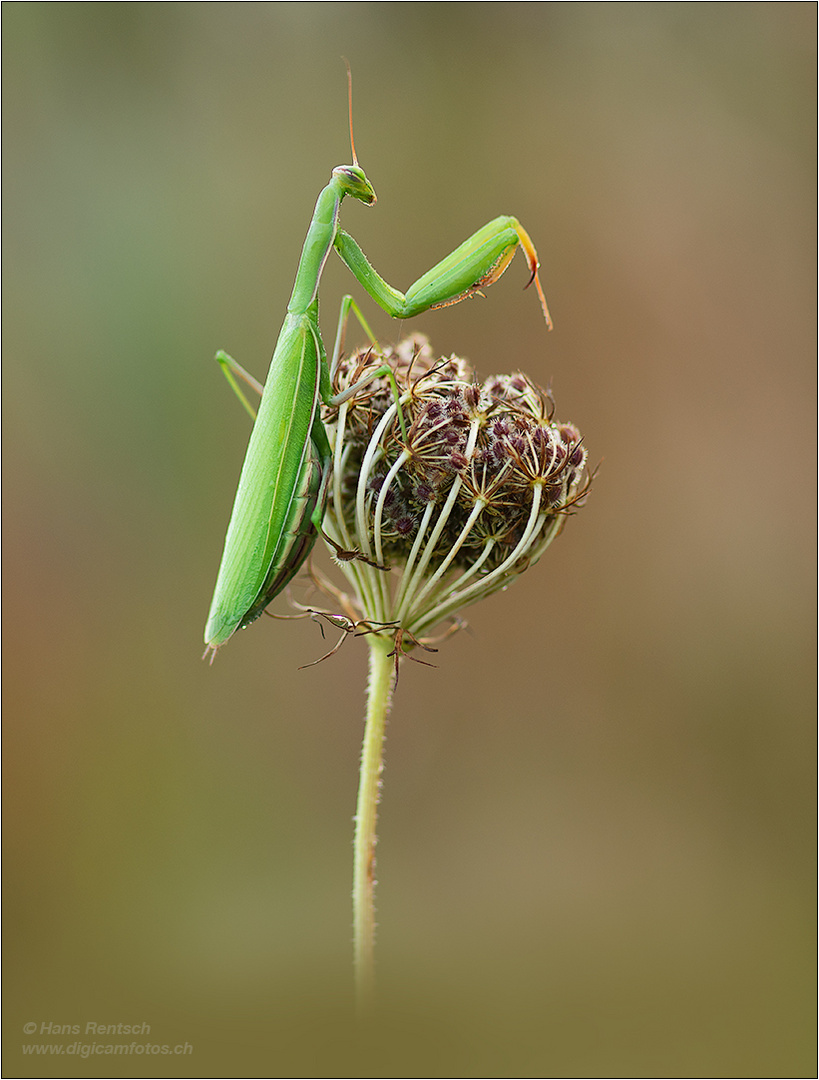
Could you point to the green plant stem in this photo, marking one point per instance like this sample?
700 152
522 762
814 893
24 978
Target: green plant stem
379 698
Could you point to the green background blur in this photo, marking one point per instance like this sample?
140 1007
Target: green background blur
596 834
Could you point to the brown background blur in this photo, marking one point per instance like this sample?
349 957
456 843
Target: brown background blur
596 830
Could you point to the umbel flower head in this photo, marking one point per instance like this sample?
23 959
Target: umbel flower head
459 500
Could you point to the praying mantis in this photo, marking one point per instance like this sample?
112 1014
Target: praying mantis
282 491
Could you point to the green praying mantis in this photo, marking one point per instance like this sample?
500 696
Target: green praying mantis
280 500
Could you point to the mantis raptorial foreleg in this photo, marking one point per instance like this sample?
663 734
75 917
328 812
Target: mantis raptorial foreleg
478 262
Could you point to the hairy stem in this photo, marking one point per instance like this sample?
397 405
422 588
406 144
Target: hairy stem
379 698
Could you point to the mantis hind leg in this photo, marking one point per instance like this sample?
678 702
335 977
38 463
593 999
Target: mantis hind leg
231 369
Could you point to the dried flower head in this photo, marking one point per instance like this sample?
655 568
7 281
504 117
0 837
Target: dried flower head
460 505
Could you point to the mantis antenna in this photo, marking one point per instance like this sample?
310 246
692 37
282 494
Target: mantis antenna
350 107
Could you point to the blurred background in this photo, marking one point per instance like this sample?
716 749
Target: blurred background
596 839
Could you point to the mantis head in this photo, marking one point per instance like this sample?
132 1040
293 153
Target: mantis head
354 182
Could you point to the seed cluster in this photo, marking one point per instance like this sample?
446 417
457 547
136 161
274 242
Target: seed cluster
472 488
